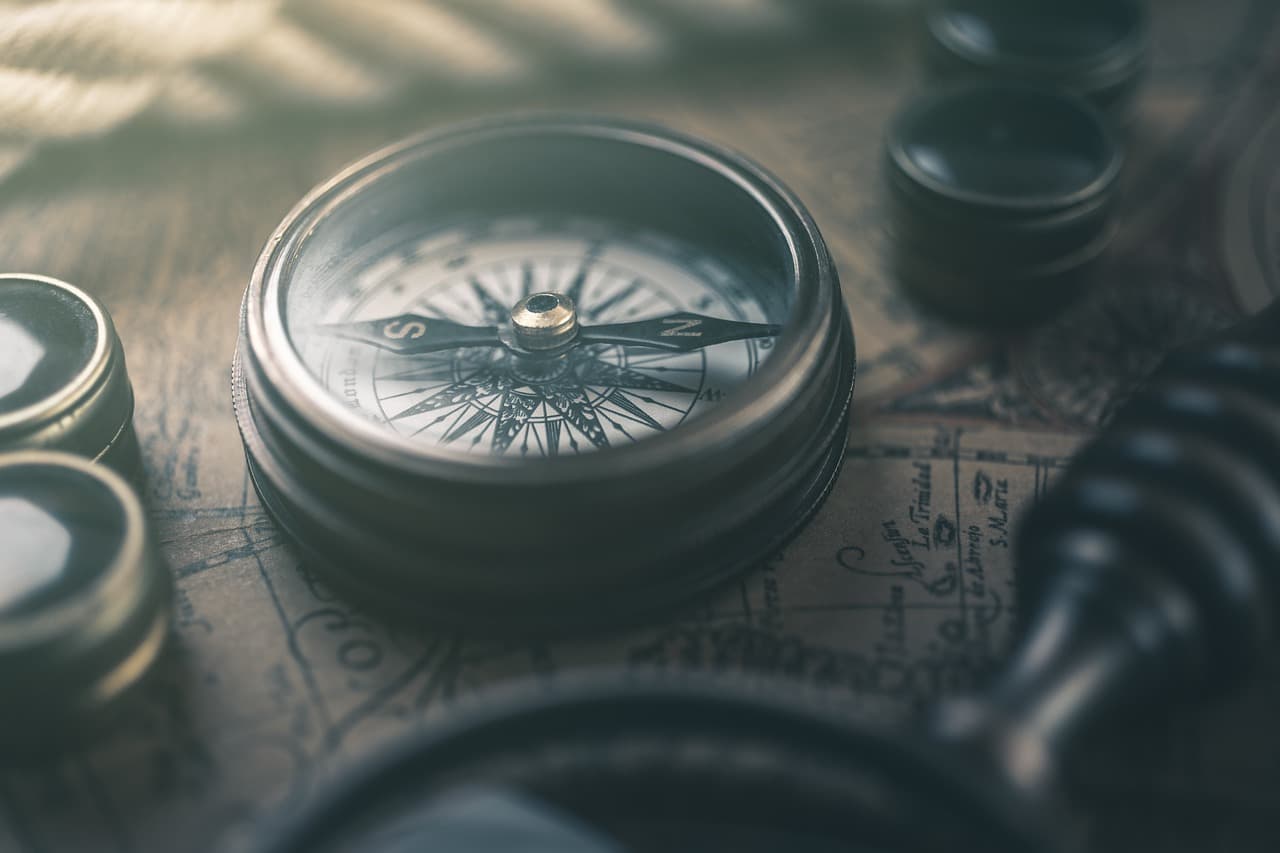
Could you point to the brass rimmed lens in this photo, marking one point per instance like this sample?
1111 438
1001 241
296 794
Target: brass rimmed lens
84 599
63 383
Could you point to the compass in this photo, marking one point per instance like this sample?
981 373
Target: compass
543 372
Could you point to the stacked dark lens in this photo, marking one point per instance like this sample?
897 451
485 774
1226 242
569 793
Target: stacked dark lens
1094 48
1001 199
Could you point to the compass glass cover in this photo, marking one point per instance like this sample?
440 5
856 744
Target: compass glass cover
490 399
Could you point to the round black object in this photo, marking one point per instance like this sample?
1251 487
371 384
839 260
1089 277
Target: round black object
63 381
1000 199
47 337
609 763
62 531
84 600
1094 48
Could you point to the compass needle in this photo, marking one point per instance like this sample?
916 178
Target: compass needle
680 332
412 334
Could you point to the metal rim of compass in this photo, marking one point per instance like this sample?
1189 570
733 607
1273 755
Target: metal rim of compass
467 538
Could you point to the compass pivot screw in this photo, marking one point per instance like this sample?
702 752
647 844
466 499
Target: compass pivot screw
544 321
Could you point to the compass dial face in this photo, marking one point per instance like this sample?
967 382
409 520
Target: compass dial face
492 400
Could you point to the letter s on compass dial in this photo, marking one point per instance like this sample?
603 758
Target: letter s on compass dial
543 372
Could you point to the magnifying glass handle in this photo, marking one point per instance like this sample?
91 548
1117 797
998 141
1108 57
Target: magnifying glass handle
1150 570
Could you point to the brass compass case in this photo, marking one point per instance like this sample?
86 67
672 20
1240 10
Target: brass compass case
543 485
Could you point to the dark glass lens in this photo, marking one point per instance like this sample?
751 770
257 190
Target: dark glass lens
47 336
1040 31
1007 143
59 528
